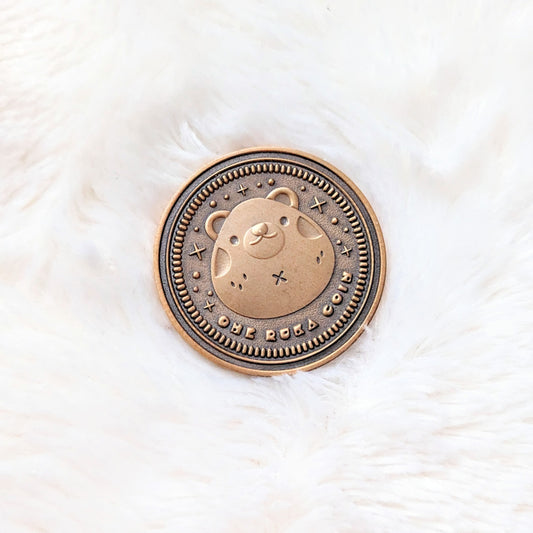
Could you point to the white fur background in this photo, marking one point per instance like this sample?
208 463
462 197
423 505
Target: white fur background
109 422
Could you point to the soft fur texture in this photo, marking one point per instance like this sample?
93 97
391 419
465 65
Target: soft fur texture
110 422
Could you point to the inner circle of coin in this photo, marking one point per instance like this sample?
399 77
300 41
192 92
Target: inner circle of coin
270 261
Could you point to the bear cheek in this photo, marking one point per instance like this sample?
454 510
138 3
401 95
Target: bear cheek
307 230
221 262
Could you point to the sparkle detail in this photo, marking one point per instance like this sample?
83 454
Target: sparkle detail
197 251
346 251
318 204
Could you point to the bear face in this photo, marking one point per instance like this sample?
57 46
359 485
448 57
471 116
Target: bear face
269 258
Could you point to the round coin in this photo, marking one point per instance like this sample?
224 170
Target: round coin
269 261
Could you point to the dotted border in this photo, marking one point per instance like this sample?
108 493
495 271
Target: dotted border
202 323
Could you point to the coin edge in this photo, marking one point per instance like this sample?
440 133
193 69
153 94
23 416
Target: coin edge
253 371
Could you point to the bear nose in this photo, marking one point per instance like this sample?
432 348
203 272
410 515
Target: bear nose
260 229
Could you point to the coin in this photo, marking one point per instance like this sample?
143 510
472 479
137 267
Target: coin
270 260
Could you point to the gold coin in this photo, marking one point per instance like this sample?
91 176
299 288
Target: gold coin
269 261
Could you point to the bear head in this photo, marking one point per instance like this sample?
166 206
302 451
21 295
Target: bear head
269 258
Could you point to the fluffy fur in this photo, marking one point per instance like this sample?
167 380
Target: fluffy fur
110 422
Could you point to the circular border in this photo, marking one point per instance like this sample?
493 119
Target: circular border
270 370
182 298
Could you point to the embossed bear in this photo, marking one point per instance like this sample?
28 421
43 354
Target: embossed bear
269 258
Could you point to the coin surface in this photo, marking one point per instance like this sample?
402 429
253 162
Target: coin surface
269 261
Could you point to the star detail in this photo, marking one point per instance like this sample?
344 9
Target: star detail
346 251
242 190
279 278
209 306
318 204
197 251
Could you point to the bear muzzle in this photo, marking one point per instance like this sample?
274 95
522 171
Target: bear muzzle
263 240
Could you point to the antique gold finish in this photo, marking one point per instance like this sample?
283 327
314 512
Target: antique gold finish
270 261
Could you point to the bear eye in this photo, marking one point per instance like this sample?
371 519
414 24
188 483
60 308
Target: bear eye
234 240
284 221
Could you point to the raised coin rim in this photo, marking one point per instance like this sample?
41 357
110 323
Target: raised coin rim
271 371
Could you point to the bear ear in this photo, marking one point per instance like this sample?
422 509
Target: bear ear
209 223
293 197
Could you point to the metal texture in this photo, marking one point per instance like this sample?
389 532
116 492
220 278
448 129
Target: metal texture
270 260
